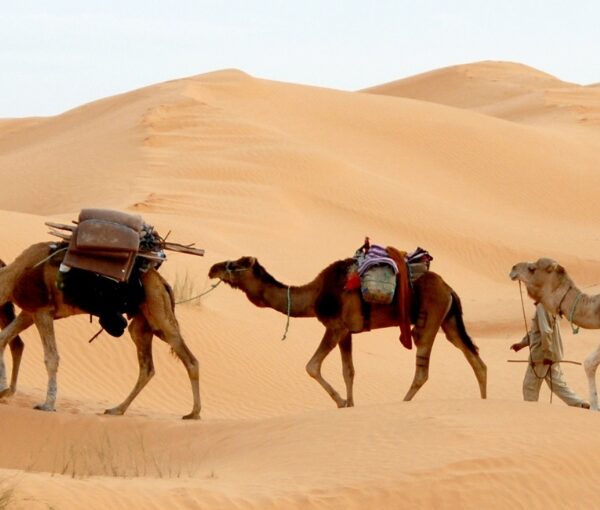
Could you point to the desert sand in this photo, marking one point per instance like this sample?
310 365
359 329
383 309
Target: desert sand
485 165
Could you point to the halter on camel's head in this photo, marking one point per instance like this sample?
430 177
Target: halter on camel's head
229 270
541 278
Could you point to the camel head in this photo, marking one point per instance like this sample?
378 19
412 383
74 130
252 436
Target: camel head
541 278
233 272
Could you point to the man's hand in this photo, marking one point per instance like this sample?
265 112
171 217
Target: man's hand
516 347
547 361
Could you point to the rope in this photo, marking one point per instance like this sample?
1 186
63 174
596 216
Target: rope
574 329
212 287
50 256
289 310
523 309
96 335
531 363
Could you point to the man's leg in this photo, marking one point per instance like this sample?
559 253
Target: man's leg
532 384
561 390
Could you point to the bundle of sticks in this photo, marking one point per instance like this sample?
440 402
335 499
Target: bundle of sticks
65 232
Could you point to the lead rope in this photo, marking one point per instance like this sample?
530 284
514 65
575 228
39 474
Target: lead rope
50 256
532 364
574 329
289 310
212 287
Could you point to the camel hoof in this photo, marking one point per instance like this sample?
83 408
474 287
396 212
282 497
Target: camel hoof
191 416
345 403
114 412
7 392
44 407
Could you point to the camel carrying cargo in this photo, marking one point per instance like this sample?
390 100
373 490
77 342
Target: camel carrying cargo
105 264
335 299
103 250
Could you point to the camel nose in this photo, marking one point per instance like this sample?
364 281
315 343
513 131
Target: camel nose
213 271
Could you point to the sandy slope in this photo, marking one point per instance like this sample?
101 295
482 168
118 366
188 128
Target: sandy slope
505 90
297 176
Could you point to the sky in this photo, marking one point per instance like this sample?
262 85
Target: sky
57 55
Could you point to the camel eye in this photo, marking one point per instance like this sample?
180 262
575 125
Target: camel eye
531 269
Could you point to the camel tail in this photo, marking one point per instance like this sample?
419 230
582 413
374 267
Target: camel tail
457 313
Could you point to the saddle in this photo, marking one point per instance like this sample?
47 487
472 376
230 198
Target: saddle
383 286
105 242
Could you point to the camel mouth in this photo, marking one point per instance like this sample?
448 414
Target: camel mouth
216 271
513 275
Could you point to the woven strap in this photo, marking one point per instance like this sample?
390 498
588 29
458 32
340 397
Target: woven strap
404 296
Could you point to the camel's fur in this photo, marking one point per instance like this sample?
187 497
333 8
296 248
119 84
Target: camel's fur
548 283
342 314
31 286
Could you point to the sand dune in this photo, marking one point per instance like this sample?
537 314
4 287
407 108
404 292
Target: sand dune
480 164
506 90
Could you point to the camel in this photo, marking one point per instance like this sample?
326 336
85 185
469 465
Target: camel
30 283
343 313
548 283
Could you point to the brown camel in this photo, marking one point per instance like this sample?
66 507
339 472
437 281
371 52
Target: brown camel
30 283
343 313
548 283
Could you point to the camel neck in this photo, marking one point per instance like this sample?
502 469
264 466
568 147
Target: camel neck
571 293
580 308
275 295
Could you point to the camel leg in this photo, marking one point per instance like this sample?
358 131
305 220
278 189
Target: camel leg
16 350
44 322
158 310
347 367
590 364
174 339
141 334
313 367
479 367
9 335
427 326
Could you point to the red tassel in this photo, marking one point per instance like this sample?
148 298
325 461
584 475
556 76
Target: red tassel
352 282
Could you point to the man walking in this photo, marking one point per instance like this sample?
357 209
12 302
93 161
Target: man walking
546 351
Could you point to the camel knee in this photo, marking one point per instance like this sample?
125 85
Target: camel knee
590 364
17 346
194 368
148 371
313 369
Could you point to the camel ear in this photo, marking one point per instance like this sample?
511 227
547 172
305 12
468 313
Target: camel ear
547 265
247 262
